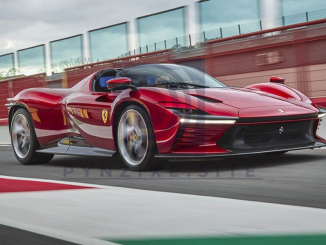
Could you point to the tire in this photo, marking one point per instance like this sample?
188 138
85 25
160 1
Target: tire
24 140
136 141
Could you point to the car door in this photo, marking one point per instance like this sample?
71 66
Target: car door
90 115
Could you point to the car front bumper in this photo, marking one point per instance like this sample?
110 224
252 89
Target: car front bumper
238 153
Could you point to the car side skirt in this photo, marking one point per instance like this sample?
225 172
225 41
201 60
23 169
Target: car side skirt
75 147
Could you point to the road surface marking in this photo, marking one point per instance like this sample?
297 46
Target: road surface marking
101 214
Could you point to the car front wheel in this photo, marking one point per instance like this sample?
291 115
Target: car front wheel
136 141
24 141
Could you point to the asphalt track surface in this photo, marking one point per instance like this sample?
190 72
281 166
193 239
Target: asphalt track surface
296 178
13 236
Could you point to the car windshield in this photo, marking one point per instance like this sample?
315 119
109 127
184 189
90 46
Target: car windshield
169 76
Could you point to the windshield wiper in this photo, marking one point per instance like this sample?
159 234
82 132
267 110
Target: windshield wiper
180 83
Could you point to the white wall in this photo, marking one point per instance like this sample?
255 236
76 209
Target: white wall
322 129
4 135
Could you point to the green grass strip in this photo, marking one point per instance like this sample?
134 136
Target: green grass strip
245 240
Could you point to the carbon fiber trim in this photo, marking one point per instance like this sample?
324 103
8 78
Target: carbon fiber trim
214 155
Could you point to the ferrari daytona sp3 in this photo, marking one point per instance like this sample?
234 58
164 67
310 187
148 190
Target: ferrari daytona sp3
148 113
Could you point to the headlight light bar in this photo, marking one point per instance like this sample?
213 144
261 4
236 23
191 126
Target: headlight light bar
198 121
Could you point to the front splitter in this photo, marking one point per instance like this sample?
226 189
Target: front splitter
230 154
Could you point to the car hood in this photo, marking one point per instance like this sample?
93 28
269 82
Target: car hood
231 102
240 98
251 103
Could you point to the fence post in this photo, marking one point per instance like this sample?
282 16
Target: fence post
139 50
283 21
239 29
190 41
155 46
204 36
146 48
261 26
176 41
165 43
307 17
221 32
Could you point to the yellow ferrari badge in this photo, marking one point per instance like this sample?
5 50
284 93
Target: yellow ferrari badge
105 115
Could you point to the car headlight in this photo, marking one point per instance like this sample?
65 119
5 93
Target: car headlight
191 115
182 109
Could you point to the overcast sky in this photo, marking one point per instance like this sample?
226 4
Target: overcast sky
26 23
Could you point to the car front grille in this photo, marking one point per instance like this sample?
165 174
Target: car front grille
264 136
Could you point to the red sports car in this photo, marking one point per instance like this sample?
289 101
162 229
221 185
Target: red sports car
146 114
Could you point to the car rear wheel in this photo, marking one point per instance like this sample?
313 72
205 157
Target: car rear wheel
135 140
24 141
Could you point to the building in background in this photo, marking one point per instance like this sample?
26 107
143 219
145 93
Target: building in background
174 28
108 42
6 65
162 30
31 60
293 7
297 11
220 18
67 52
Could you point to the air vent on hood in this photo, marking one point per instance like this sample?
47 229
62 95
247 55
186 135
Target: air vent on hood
206 99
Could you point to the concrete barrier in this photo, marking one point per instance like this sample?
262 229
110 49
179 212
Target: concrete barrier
322 129
4 135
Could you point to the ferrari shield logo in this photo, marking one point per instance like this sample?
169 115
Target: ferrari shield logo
281 130
105 115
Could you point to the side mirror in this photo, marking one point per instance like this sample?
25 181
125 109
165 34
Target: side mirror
277 80
122 82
